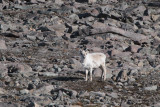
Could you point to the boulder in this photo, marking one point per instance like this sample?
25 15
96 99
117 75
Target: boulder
75 64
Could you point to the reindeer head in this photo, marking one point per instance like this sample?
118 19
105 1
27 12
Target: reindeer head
83 53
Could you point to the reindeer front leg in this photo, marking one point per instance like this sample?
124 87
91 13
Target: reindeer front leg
86 75
104 72
91 69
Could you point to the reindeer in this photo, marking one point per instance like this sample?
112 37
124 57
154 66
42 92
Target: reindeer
93 60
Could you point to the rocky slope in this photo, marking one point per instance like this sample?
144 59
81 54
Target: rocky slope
39 52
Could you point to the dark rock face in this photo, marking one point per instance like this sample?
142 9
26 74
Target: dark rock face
40 63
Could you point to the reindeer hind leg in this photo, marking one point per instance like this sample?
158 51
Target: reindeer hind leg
102 75
91 69
86 75
104 71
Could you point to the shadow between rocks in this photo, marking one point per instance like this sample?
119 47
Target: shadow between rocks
67 78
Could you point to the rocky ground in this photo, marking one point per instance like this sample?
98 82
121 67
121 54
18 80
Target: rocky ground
39 53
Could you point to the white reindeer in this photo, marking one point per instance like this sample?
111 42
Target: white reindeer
93 60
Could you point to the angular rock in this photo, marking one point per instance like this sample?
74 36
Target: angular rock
151 88
98 25
74 18
113 94
140 64
124 104
19 68
3 104
31 37
154 4
73 93
23 7
108 87
41 1
33 1
38 68
155 17
83 94
4 27
157 104
4 70
71 28
118 53
106 9
33 104
99 28
109 74
147 50
115 15
43 29
76 64
3 44
100 94
86 101
139 10
57 68
158 49
59 2
115 52
83 30
3 91
94 12
92 1
24 91
48 74
97 72
120 75
133 48
95 49
44 90
69 92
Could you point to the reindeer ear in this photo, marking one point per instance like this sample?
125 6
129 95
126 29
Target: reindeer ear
83 53
87 52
